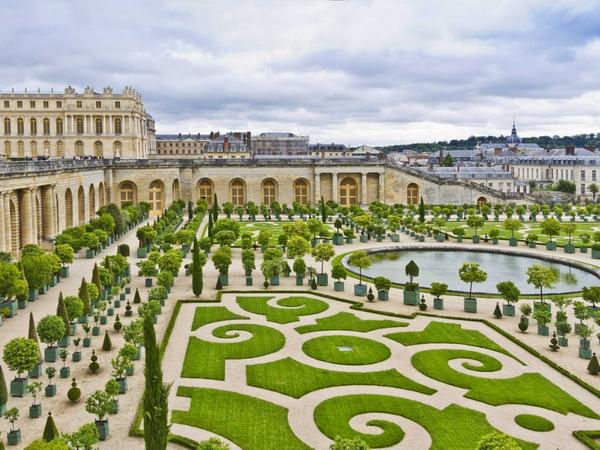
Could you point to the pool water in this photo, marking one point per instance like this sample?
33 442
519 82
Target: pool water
442 266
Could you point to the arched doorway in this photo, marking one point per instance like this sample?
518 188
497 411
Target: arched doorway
205 190
301 191
156 196
68 208
127 192
269 192
238 192
101 194
81 205
79 148
98 149
176 190
92 201
481 201
412 194
348 192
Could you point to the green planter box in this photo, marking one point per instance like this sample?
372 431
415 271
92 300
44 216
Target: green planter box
274 281
248 281
585 353
569 248
360 290
439 237
410 297
50 390
595 254
583 249
83 319
90 253
22 303
13 437
50 354
563 341
349 240
395 237
338 239
130 371
65 372
379 239
470 305
76 356
299 280
95 331
322 279
18 386
532 245
475 239
383 295
103 320
33 294
338 286
508 310
35 411
10 306
122 385
364 238
543 330
36 372
551 246
421 238
148 282
102 427
438 303
224 279
141 252
513 242
459 239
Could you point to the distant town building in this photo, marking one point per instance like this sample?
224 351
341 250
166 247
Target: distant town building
277 143
328 150
181 145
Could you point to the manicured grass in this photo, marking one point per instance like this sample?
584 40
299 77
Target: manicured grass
446 333
526 389
349 322
454 427
210 314
276 228
205 359
290 377
360 351
291 307
250 423
534 423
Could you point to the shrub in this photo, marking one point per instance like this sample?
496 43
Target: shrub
498 441
74 393
94 366
106 344
124 250
50 430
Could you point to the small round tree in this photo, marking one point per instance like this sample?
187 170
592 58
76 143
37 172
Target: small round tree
51 329
21 355
361 260
472 273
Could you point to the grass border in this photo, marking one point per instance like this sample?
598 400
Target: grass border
588 437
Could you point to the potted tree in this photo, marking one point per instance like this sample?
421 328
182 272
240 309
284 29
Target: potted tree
147 269
471 273
494 233
585 241
585 351
591 294
438 290
66 254
323 252
299 267
338 273
511 294
99 404
222 260
51 329
562 329
383 285
541 277
581 312
249 263
475 222
551 227
75 310
50 389
129 352
65 371
532 240
543 317
20 355
361 260
411 289
13 437
120 365
512 225
349 235
569 229
76 356
34 388
525 313
459 232
87 340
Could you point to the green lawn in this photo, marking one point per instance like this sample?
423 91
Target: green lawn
291 307
250 423
454 427
534 423
447 333
349 350
276 228
290 377
205 359
526 389
210 314
349 322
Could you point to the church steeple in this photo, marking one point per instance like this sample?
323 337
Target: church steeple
513 139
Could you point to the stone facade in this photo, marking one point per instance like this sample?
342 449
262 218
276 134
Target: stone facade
64 125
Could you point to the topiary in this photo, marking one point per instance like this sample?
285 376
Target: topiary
74 393
219 284
117 325
422 304
94 366
313 284
123 250
370 296
128 311
554 343
497 311
50 430
136 297
106 344
594 367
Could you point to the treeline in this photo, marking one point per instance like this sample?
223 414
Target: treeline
579 140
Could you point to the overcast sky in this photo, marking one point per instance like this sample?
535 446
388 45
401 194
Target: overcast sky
355 71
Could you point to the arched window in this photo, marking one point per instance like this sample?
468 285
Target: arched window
59 126
237 192
7 149
92 201
301 192
33 151
21 149
7 126
68 208
20 127
46 125
117 148
269 190
412 194
98 150
33 127
348 192
118 125
481 201
175 190
101 194
81 205
205 191
60 149
155 196
78 148
127 193
79 125
98 125
46 148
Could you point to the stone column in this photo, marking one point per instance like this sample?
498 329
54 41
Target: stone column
2 225
381 196
7 224
363 187
317 193
26 216
48 230
334 187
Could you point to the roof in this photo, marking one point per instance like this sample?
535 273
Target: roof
364 150
183 137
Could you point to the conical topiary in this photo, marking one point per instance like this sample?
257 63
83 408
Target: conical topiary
61 311
313 284
74 393
106 344
136 297
84 295
96 277
94 366
117 325
497 311
3 390
33 334
219 284
593 367
50 430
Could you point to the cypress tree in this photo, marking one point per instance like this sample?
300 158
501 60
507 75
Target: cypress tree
497 312
190 210
136 297
50 430
61 311
33 336
421 211
96 278
3 390
106 344
215 209
84 295
219 284
196 270
210 226
593 367
323 211
156 393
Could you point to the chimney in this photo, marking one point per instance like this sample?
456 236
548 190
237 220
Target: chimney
570 150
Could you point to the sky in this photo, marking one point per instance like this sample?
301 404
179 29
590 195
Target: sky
374 72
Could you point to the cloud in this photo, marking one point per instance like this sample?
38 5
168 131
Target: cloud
354 71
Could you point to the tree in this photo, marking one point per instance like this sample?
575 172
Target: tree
475 222
512 225
297 247
382 283
156 393
74 307
50 430
106 344
591 294
85 438
509 291
472 273
227 237
21 355
447 161
438 289
566 186
421 211
3 390
171 261
248 260
84 295
212 444
65 253
569 228
411 270
61 311
12 282
498 441
541 277
98 404
593 188
222 260
354 443
338 272
264 237
361 260
165 279
147 268
36 269
197 283
323 252
51 329
551 227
